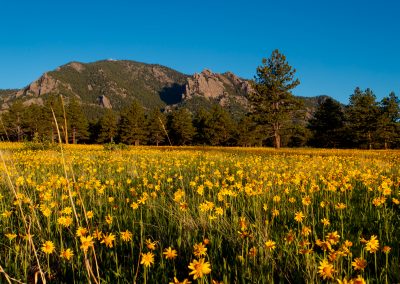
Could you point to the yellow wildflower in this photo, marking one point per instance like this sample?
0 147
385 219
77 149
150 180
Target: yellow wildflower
199 268
170 253
48 247
147 259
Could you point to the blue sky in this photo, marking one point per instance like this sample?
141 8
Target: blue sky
334 45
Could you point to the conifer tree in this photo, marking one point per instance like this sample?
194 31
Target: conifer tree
272 100
156 126
181 127
219 128
362 117
200 124
35 122
107 127
76 121
14 121
327 124
389 121
53 104
132 125
249 132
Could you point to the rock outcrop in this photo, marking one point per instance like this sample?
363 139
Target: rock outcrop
223 88
204 84
104 102
43 85
79 67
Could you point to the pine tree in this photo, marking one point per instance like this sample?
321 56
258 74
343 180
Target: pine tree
219 128
132 125
156 126
272 100
14 121
53 104
107 127
200 124
327 124
35 120
362 118
389 121
181 127
249 132
76 121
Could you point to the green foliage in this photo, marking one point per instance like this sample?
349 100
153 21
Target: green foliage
112 146
156 126
181 127
132 128
327 124
362 114
272 99
39 144
14 121
388 131
107 127
77 122
249 132
219 127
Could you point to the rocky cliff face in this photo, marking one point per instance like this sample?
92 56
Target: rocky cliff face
225 89
43 85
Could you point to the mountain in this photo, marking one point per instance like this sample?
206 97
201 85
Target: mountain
114 84
108 84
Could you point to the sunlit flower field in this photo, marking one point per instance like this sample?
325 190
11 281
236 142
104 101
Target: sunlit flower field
82 214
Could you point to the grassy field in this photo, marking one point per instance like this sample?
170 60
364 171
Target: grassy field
206 215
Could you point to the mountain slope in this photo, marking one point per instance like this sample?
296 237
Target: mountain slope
115 84
119 81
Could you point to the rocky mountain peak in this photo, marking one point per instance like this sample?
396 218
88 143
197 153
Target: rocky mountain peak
45 84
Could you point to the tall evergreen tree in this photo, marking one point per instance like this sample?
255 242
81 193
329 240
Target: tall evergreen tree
219 127
249 132
53 104
14 121
35 120
272 100
156 126
388 129
200 123
181 127
132 125
362 118
107 127
327 124
76 121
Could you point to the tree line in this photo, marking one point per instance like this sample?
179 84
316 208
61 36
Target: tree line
275 118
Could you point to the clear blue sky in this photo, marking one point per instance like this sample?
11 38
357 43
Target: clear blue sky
334 45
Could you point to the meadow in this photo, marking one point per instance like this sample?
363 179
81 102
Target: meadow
83 214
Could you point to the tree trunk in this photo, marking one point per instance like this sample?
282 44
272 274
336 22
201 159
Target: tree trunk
19 134
277 141
369 141
74 135
277 135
